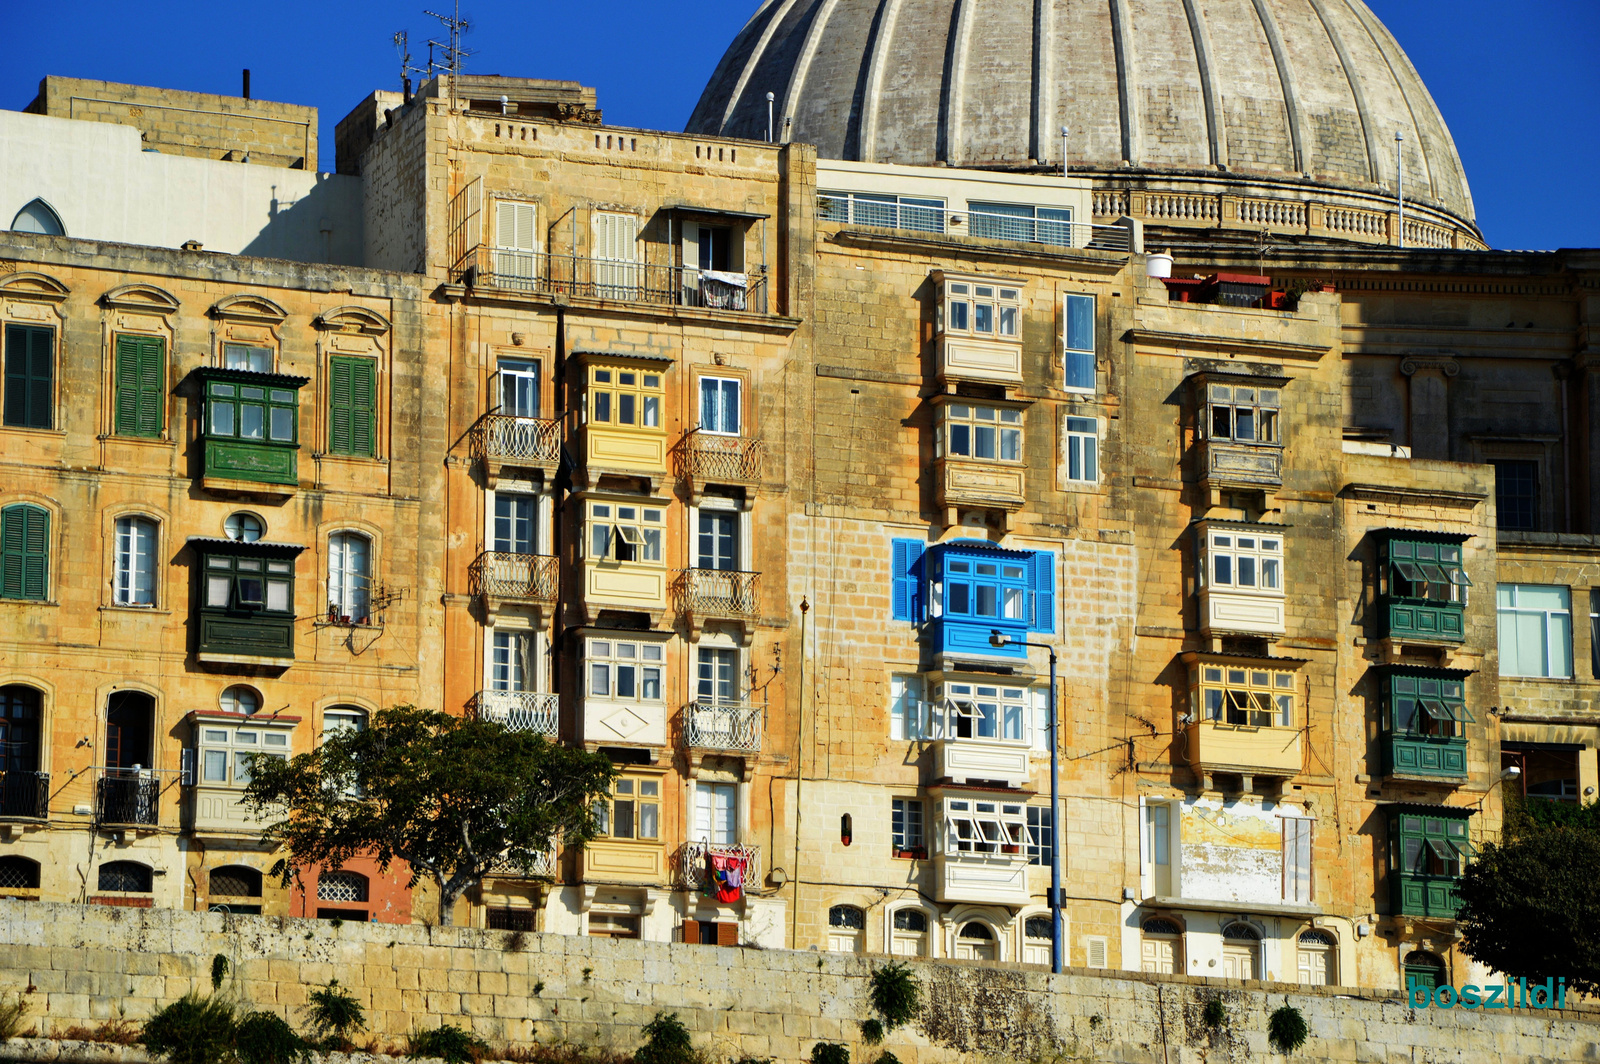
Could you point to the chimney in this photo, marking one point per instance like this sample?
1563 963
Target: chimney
247 83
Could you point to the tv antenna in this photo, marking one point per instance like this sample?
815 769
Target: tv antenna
402 44
455 26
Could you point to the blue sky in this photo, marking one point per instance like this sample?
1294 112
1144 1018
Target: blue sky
1517 82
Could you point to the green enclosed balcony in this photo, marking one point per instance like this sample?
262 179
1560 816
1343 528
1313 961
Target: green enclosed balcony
1428 848
249 430
1424 722
245 609
1422 587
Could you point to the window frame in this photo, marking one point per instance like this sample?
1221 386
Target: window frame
227 738
1081 449
125 578
994 828
228 348
349 590
964 417
512 371
905 694
601 652
272 570
1443 846
721 382
1408 561
1223 395
222 393
1552 644
640 523
1031 226
1437 710
25 550
1220 712
1010 705
513 502
899 210
908 828
30 419
605 392
715 656
947 577
1041 836
966 302
1073 358
512 660
1222 543
629 790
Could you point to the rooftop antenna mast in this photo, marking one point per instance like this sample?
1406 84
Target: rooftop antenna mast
452 50
402 44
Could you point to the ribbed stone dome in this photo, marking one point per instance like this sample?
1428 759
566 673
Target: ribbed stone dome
1295 92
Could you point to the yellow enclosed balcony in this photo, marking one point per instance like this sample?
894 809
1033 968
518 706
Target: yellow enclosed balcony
1244 717
628 849
978 456
623 428
623 567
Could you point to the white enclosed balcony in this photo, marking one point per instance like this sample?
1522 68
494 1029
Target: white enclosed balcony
981 734
981 854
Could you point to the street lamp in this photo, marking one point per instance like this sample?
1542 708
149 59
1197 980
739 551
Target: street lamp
997 639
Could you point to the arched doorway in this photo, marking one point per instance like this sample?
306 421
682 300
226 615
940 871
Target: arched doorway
24 792
1423 969
975 942
1241 951
1319 958
1161 947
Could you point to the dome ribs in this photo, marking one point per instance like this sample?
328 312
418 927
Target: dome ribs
862 141
757 54
1368 134
802 68
1291 99
1383 42
1210 91
1127 77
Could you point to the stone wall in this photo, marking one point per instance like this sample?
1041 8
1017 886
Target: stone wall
85 964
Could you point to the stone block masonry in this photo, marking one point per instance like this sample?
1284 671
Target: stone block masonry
82 964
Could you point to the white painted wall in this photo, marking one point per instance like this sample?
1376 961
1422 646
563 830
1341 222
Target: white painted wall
103 186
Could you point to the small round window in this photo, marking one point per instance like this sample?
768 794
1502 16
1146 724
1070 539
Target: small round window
241 699
246 528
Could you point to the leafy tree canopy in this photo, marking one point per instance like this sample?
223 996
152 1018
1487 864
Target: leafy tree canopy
451 797
1530 905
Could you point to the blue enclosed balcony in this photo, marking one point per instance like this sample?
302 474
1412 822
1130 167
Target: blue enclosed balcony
963 591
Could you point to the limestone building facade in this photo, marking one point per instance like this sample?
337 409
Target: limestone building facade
781 479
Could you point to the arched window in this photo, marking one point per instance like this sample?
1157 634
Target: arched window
343 718
1036 940
1241 952
18 873
235 881
1161 947
1319 958
342 886
38 217
909 937
24 790
846 929
24 552
244 527
975 942
126 876
136 562
349 578
1423 969
241 698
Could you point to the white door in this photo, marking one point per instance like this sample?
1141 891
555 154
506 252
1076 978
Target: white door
714 819
1036 934
616 255
1316 965
1159 955
975 942
1239 962
515 247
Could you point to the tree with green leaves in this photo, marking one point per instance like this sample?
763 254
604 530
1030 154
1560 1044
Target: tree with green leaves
1530 904
452 797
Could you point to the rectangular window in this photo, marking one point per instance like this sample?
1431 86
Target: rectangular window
1041 836
717 541
987 432
1515 495
983 590
883 210
1427 705
249 357
634 811
719 405
512 667
226 753
515 243
24 552
625 533
986 311
905 827
519 387
30 377
513 523
352 405
135 578
1078 314
249 584
1083 443
1237 562
975 827
251 412
1297 879
717 677
714 248
1041 719
978 711
624 398
1253 698
1021 221
1157 835
907 711
1431 846
715 818
1535 630
1241 414
616 255
141 386
1426 571
1594 633
624 670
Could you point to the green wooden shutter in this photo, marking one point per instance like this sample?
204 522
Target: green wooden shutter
24 552
141 400
352 405
30 376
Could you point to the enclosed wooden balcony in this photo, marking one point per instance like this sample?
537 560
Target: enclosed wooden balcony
624 861
1245 750
981 761
968 484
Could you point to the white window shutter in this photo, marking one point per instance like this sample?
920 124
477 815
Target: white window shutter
1097 952
514 226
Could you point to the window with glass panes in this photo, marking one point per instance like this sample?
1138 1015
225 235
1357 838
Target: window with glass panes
1426 571
1041 836
249 584
634 809
135 571
717 674
350 577
905 825
1244 562
884 210
982 310
719 405
974 588
251 412
1083 446
1020 221
1515 494
1077 342
907 711
512 661
1244 414
989 432
984 827
226 752
513 523
717 540
251 357
625 533
624 398
519 387
623 669
981 711
1426 705
1256 698
1535 623
1431 846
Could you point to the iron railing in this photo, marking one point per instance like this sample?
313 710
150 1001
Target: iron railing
692 862
531 577
517 439
24 794
708 456
522 711
543 273
713 725
127 799
721 593
853 209
543 866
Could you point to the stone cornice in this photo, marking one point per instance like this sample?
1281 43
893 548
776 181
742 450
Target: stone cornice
1397 495
1274 348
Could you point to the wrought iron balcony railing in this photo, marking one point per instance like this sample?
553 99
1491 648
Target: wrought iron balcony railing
542 273
712 725
543 866
25 794
525 577
517 440
692 856
721 593
127 799
522 711
709 457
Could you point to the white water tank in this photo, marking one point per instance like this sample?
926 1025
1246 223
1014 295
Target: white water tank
1158 265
